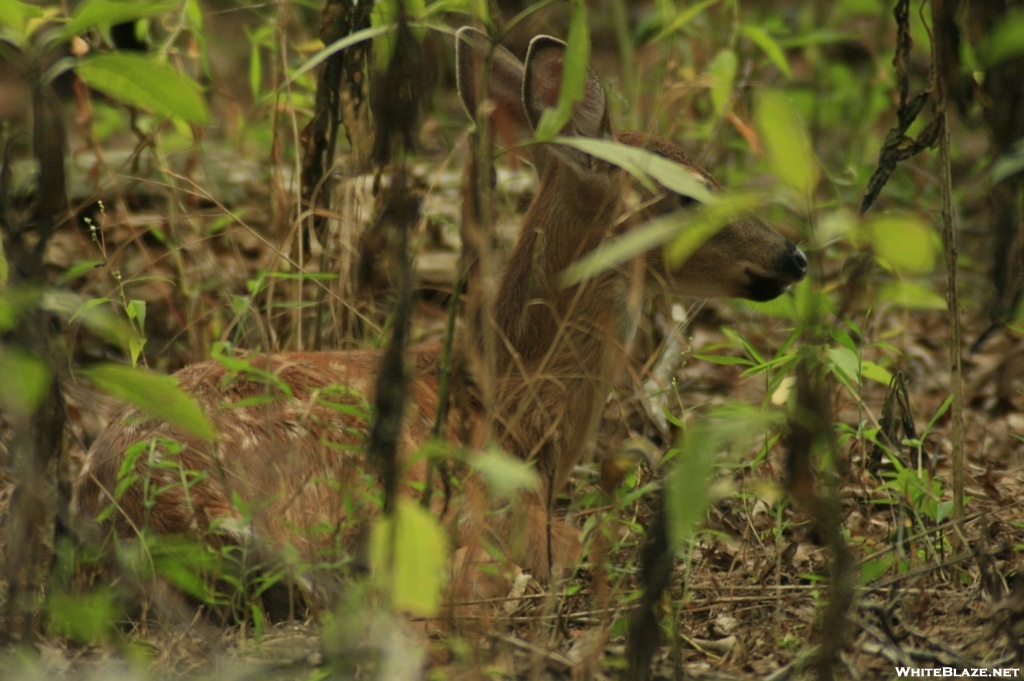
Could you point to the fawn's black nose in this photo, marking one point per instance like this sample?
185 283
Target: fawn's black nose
798 260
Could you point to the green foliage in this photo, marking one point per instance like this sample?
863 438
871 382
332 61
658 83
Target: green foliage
505 475
772 49
687 486
157 395
786 143
904 241
684 16
645 166
103 14
689 229
188 564
145 83
873 569
574 75
84 618
722 73
339 45
26 380
705 223
136 310
408 553
15 18
911 296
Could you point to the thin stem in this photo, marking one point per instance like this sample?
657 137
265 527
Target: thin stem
952 293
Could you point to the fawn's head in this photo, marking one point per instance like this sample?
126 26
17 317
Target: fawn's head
745 259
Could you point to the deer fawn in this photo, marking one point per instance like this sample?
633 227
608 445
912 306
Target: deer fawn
563 346
287 466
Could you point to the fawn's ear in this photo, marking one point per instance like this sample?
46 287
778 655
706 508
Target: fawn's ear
543 82
504 84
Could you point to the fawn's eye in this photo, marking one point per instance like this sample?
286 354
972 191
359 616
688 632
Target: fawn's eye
686 201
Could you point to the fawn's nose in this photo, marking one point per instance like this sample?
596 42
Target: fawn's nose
798 261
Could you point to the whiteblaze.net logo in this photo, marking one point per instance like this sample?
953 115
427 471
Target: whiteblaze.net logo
954 672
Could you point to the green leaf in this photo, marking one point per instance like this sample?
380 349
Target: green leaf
684 17
109 12
76 270
14 15
339 45
255 71
575 67
685 229
95 313
726 359
762 39
786 143
911 296
410 549
195 14
940 413
82 617
616 251
705 223
505 475
869 369
137 310
26 379
904 241
645 165
142 82
845 364
688 483
722 72
156 394
687 486
873 569
182 561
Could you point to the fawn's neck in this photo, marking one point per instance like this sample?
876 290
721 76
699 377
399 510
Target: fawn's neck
563 344
574 211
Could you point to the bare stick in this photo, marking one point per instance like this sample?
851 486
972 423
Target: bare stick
949 246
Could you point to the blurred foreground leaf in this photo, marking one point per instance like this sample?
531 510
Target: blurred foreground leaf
505 474
722 72
645 165
574 75
911 296
786 143
106 13
687 487
418 562
25 380
143 83
905 241
156 394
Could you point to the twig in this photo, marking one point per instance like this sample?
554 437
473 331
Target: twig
952 294
555 658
